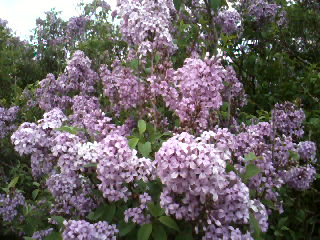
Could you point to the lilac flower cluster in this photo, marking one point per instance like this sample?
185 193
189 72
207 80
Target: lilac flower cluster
40 235
37 140
118 166
299 178
123 89
192 91
137 215
146 24
3 23
76 26
287 119
197 184
71 193
229 20
7 118
9 204
221 232
261 10
78 78
307 151
81 229
88 115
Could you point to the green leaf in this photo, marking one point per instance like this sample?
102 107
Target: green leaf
134 64
155 210
250 157
169 222
254 225
230 168
145 231
108 212
53 236
90 165
125 228
13 182
58 219
144 149
294 155
68 129
28 238
184 236
251 170
142 126
133 142
177 4
158 232
35 193
215 4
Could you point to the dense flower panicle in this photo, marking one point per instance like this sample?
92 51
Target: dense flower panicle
221 232
76 26
7 118
185 165
229 20
307 151
220 137
3 23
47 96
40 235
261 10
79 75
9 205
192 91
137 215
52 119
71 193
287 119
123 89
146 24
38 140
78 78
87 153
24 138
193 172
299 178
65 148
282 150
119 165
88 115
80 229
252 139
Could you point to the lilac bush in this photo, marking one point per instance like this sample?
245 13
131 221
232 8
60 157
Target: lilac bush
149 141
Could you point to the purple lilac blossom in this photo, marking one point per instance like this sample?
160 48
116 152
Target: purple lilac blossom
40 235
261 10
9 204
287 119
7 118
137 215
299 178
119 165
71 193
123 89
229 20
307 151
80 229
146 24
192 91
